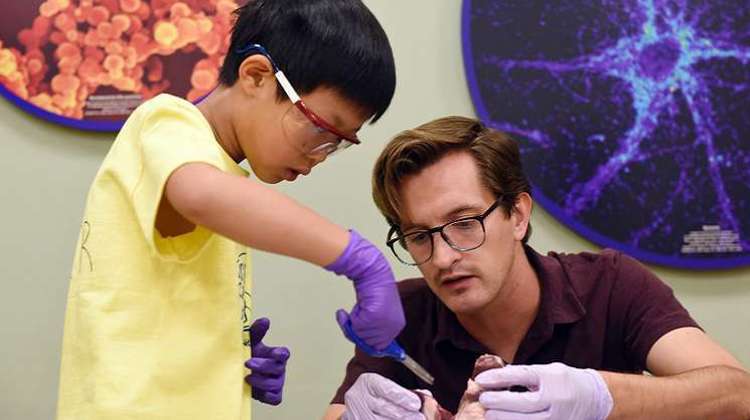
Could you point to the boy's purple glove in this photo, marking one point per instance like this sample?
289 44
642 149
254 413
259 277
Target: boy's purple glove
556 391
377 317
267 365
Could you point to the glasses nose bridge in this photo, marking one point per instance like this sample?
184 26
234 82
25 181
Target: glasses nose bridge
444 236
438 249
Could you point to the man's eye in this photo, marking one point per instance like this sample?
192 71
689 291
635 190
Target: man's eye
464 224
418 238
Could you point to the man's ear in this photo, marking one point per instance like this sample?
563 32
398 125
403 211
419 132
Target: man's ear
521 215
256 76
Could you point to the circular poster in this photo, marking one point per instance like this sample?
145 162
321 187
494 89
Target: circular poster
88 63
633 117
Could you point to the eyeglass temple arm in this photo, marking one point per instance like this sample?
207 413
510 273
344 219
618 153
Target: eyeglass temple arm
391 231
287 87
280 76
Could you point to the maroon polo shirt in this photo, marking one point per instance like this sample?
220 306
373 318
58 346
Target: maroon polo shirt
597 310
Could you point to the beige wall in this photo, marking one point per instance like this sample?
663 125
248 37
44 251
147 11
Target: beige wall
45 172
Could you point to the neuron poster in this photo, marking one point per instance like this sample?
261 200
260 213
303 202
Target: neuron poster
633 117
89 63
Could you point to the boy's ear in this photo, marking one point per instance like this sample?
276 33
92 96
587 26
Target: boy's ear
256 76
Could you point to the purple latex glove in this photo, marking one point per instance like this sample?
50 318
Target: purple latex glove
556 391
267 365
375 397
378 316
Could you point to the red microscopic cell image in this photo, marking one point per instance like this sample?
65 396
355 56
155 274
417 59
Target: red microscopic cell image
76 58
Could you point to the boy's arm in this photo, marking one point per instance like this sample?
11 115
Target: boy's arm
253 214
257 216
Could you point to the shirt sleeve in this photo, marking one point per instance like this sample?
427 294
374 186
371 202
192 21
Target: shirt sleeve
172 134
362 363
651 309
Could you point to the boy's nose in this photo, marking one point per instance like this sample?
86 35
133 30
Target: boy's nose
317 159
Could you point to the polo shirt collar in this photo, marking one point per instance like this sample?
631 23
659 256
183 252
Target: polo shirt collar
450 330
559 300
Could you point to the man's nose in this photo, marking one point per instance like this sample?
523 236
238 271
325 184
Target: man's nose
443 255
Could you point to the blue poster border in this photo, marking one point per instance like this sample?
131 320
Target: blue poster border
86 125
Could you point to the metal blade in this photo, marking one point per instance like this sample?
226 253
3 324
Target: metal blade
418 370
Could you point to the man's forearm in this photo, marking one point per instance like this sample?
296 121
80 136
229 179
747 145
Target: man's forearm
711 392
334 412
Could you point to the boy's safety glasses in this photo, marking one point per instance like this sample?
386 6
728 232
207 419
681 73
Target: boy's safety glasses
323 139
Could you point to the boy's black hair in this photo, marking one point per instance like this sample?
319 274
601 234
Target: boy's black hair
332 43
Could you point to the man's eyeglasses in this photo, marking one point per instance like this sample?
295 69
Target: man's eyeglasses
464 234
324 138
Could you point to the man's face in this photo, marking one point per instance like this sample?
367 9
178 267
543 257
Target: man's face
447 190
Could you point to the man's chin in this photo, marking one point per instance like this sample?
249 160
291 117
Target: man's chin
464 305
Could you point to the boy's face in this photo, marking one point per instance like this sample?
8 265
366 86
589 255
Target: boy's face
445 191
279 141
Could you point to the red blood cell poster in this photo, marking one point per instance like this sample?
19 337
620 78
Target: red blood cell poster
88 63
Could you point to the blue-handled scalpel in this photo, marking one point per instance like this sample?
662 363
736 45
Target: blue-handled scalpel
394 351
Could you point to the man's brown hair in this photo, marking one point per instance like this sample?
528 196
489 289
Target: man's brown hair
496 154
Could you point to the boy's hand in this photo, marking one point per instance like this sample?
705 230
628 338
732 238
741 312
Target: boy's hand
378 316
267 365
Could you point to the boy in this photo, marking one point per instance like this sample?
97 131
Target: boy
154 328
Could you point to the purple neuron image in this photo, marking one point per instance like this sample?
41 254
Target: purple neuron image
632 115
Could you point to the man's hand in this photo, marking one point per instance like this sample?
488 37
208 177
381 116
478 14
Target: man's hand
267 365
555 391
374 397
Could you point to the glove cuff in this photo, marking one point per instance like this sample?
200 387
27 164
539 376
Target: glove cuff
604 402
341 265
361 261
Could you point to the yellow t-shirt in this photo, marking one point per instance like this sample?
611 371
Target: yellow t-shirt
154 325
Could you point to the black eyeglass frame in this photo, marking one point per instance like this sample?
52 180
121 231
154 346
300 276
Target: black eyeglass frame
391 241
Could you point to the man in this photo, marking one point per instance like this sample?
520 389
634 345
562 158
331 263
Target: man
579 330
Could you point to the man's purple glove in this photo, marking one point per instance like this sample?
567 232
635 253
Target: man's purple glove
556 391
267 365
375 397
377 317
